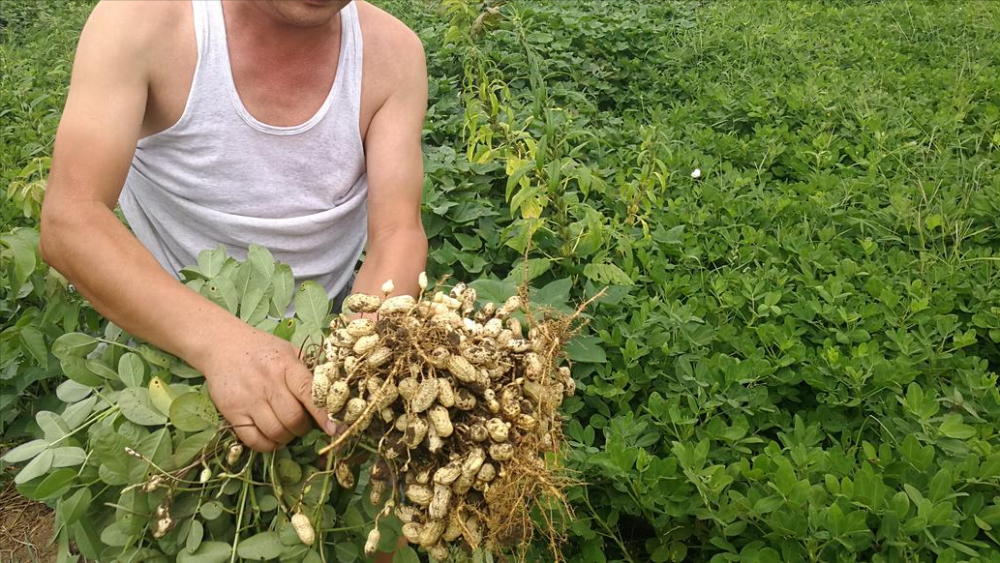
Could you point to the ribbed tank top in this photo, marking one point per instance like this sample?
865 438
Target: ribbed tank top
219 176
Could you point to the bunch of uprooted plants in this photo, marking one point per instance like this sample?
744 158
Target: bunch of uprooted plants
462 407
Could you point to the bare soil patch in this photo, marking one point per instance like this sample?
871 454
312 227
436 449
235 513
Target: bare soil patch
26 529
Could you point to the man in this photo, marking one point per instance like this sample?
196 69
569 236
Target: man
294 124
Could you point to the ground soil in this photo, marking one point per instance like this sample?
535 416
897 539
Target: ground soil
26 529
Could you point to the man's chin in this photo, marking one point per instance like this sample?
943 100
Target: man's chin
307 13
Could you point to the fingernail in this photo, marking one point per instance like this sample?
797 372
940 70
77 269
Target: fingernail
331 427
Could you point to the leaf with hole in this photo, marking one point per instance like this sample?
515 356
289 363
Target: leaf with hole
160 395
311 304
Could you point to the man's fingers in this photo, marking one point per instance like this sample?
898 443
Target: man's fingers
298 379
268 424
291 413
252 438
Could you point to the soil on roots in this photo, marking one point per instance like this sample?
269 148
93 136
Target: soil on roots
26 528
528 499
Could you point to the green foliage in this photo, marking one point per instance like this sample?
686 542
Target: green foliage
136 436
797 355
800 346
36 305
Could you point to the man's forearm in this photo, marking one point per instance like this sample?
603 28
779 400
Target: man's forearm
87 244
399 257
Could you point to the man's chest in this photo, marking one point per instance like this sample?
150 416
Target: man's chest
277 86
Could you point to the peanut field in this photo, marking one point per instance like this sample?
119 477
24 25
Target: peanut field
792 209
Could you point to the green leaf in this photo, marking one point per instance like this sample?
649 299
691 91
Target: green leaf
494 291
34 342
283 284
156 357
55 484
191 274
210 262
311 304
135 405
222 291
606 274
74 344
77 413
469 242
532 268
23 243
406 555
307 334
157 447
160 395
100 369
260 547
267 503
953 427
286 329
211 510
70 391
251 285
116 535
71 509
194 536
900 505
586 349
347 552
52 425
181 369
193 412
25 451
75 368
67 456
192 446
262 260
555 294
768 504
254 306
288 471
35 468
940 486
132 370
87 540
207 552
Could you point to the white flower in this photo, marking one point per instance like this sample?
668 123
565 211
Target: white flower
696 174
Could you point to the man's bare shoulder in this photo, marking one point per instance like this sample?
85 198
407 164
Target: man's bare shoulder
137 25
393 45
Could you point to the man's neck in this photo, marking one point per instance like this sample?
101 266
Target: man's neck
260 20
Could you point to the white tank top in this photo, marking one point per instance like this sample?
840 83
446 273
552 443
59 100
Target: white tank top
219 176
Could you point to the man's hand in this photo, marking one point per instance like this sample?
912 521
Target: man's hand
262 388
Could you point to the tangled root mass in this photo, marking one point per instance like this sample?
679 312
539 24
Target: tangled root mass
463 407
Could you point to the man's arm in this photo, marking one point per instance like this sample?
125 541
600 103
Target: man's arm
82 238
397 245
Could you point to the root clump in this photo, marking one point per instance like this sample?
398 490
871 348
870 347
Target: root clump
463 408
